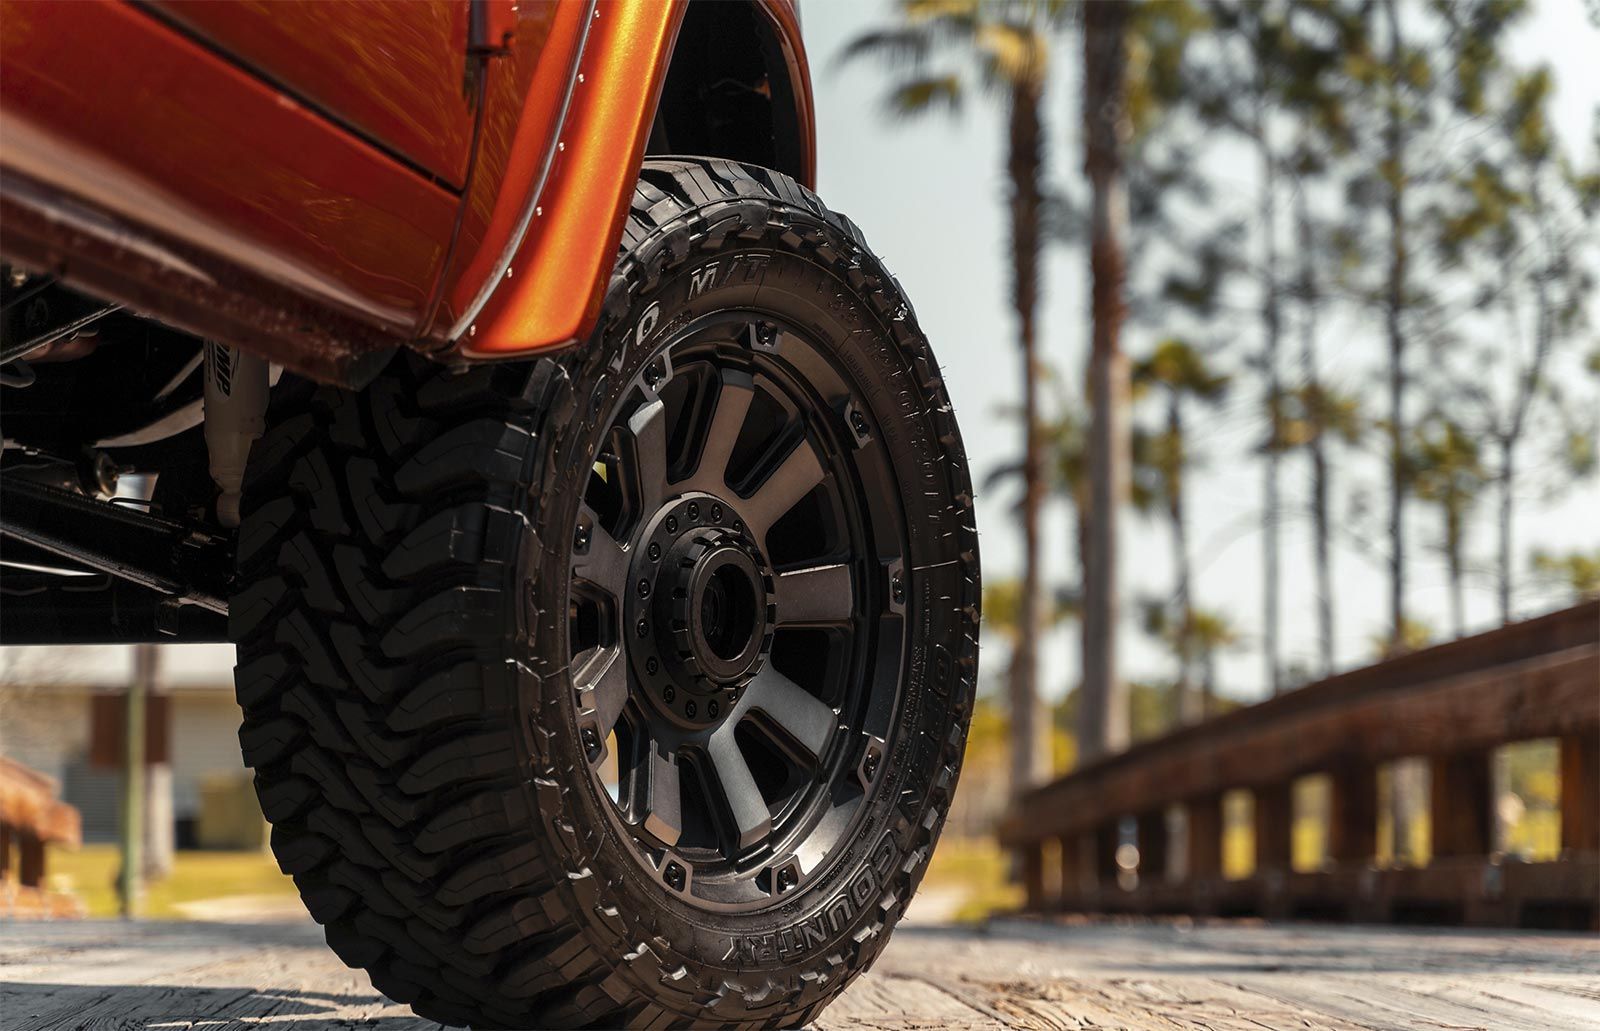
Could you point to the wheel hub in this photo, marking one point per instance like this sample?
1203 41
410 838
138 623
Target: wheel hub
702 611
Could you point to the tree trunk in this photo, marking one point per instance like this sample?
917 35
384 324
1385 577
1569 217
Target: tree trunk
1394 145
1029 744
1507 481
1527 385
1318 444
1103 714
1452 549
1271 331
1189 707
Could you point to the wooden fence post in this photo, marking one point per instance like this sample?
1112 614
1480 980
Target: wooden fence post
1274 826
1033 874
1153 847
30 860
1106 839
1580 792
1461 798
1205 837
1072 868
1353 814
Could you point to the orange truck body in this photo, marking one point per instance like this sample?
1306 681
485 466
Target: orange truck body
325 182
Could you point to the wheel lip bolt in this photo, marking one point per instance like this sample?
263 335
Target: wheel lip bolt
716 513
689 709
654 551
712 708
652 666
694 511
672 524
668 694
644 588
643 628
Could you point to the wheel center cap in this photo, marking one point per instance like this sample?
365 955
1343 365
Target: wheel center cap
703 612
717 609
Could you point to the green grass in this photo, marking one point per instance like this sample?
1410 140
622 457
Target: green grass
90 872
978 868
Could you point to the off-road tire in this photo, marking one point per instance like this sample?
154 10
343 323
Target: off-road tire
402 665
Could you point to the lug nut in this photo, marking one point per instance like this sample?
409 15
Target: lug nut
580 539
858 423
785 878
674 876
689 709
897 590
869 765
712 708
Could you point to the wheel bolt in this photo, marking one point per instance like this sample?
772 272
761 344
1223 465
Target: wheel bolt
689 709
674 876
591 739
643 628
644 588
858 423
785 879
655 551
897 590
651 666
716 513
672 524
869 766
580 539
668 694
712 708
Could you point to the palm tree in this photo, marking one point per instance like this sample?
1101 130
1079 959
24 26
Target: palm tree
1311 418
1448 472
937 47
1180 372
1103 714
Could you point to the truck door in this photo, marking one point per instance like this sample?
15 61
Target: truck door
393 72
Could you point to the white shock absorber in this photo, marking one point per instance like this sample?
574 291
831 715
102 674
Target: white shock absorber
236 417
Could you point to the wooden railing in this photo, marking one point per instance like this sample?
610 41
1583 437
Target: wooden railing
1451 705
31 818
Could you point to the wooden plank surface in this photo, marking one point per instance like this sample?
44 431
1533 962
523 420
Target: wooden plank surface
107 976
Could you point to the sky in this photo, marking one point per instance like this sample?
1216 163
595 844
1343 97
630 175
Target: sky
929 194
928 197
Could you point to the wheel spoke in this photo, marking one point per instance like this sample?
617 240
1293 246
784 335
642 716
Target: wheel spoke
821 594
782 490
605 688
648 464
802 716
603 562
663 815
751 819
735 391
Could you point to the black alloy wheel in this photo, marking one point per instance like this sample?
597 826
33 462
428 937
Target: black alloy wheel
736 613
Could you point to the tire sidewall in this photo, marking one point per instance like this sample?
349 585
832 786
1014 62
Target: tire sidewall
872 876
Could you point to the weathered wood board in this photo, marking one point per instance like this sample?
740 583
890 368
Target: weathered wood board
102 976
